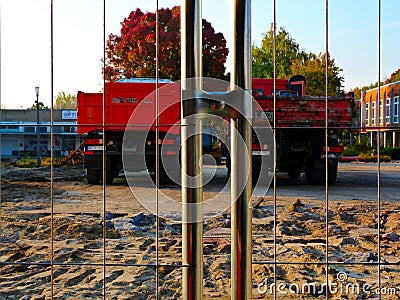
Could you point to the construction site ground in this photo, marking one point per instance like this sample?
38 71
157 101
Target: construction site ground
62 241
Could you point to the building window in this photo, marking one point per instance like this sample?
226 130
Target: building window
396 109
67 145
380 111
29 129
9 128
66 129
367 114
373 113
13 127
387 115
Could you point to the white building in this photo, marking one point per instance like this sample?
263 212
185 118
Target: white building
18 131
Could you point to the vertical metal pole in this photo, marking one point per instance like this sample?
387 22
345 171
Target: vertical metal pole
157 154
326 145
52 150
39 163
378 143
104 159
274 132
241 161
192 229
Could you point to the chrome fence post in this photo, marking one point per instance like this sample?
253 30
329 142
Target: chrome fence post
192 194
241 248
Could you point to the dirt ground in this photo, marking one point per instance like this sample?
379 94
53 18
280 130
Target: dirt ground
62 247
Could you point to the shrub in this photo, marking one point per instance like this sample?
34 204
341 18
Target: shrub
350 152
394 153
26 163
32 162
362 148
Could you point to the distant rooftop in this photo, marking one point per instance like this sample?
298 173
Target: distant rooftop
29 115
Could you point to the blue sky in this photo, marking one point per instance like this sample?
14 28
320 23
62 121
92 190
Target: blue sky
78 39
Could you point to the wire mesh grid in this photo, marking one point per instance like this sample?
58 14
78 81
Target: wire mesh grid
82 241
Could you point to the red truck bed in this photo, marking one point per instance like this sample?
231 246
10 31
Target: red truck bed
307 111
121 99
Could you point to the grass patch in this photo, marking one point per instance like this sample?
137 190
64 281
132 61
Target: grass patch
369 153
32 162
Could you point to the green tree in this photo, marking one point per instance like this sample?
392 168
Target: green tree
395 76
41 106
314 70
292 60
287 50
64 100
357 90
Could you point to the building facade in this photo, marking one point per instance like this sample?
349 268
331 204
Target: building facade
18 130
382 114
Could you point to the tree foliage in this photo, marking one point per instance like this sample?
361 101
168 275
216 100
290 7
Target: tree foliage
287 50
41 106
315 72
64 100
292 60
395 76
133 52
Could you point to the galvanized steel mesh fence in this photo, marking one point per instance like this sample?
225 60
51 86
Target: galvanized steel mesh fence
62 238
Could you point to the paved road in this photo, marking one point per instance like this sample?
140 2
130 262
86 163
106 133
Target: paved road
356 181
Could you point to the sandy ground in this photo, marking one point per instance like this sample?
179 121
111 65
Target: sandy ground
58 247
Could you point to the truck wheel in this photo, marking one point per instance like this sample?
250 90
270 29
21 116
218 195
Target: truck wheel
332 173
315 177
163 178
228 167
255 173
93 176
109 176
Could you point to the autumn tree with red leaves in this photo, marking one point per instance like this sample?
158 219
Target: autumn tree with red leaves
133 52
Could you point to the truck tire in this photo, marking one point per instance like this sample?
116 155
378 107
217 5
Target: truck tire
109 176
163 178
93 176
317 177
332 173
228 167
255 173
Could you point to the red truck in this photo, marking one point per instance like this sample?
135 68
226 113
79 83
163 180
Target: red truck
299 128
121 99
